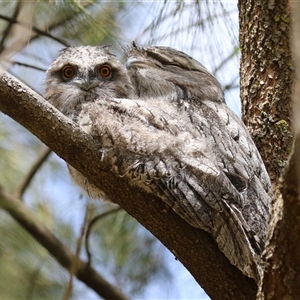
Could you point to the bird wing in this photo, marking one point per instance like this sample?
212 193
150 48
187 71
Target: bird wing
200 161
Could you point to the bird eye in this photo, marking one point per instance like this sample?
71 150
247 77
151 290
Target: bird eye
68 72
105 71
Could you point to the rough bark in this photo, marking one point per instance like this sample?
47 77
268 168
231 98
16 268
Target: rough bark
194 248
266 79
282 256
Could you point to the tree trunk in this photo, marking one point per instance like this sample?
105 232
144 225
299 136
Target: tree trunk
266 89
266 79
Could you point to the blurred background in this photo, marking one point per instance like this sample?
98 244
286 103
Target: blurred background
122 251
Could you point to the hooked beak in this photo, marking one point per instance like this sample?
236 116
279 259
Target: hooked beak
87 84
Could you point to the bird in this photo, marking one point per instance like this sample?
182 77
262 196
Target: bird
76 82
228 178
163 123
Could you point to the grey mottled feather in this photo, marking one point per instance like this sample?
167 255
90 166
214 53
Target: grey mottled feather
176 139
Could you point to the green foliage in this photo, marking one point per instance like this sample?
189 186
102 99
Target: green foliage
132 254
26 267
14 142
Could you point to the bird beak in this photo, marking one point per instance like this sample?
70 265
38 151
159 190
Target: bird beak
86 84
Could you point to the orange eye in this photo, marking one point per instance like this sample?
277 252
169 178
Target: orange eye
68 72
105 71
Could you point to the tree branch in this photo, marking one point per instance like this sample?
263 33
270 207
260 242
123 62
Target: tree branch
35 29
193 247
7 30
74 268
26 65
34 168
83 272
90 227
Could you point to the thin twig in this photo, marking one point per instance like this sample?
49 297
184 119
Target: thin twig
89 229
33 279
68 290
66 17
6 31
34 168
26 65
56 248
227 59
35 29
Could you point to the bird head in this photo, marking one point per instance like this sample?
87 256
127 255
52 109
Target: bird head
86 73
162 71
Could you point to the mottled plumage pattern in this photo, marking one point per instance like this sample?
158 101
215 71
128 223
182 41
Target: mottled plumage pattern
163 71
170 133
